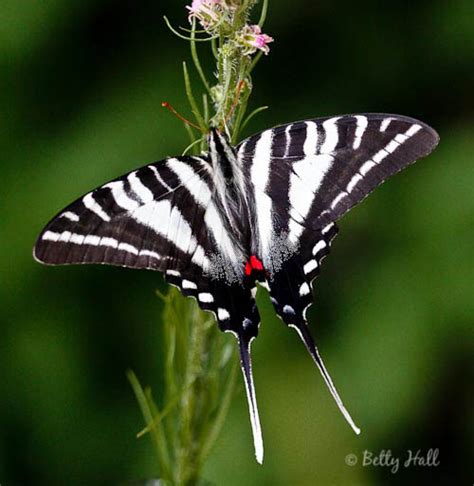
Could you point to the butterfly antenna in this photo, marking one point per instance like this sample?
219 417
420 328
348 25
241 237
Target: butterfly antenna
308 341
169 107
246 365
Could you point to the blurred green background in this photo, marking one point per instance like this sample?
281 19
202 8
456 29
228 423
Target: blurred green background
81 86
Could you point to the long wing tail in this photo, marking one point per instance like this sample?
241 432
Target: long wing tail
246 365
305 335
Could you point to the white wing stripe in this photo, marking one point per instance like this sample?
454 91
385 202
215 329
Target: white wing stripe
366 167
191 181
201 193
76 239
120 196
260 173
151 254
206 298
320 245
91 204
223 314
311 142
401 138
172 226
385 124
387 150
413 130
288 139
94 240
112 242
338 199
187 284
379 156
306 179
304 289
159 178
139 188
128 248
353 182
332 136
71 216
204 164
327 228
50 236
362 124
392 146
310 266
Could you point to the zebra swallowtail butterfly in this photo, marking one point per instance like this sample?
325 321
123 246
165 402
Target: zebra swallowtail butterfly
264 211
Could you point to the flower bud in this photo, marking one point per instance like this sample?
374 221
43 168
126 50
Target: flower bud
252 39
207 12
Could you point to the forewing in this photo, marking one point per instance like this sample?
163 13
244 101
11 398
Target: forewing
309 174
152 218
304 176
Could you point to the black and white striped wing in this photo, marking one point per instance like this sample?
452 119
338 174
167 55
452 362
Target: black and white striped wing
160 217
310 173
163 217
236 312
150 218
304 177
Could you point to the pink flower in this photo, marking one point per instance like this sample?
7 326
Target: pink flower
200 4
252 39
205 11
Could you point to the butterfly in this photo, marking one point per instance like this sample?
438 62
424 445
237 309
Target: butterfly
264 211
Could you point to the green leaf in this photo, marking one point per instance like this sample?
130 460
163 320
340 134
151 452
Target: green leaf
148 409
181 36
192 100
254 112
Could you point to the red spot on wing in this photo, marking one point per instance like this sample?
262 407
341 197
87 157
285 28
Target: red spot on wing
248 269
253 264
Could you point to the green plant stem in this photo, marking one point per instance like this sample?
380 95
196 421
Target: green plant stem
218 423
186 455
263 15
194 55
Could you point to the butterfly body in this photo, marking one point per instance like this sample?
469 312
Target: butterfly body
263 211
